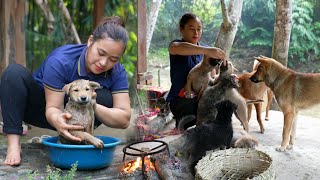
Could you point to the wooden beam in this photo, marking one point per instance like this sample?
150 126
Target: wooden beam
142 31
98 11
12 41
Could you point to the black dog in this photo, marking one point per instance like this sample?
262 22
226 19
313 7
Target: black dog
214 134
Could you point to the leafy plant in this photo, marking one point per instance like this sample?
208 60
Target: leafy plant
304 34
256 26
53 174
39 43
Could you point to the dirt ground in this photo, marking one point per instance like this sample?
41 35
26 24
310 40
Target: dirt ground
302 162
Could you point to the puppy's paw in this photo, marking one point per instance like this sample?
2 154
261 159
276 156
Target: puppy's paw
290 146
266 119
98 143
280 149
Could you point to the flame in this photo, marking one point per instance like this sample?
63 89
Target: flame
134 165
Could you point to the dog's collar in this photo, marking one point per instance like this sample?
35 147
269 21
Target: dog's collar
275 80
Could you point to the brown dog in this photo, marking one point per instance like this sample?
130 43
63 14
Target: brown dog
199 77
255 91
293 91
80 106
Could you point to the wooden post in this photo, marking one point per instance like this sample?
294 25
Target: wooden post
98 11
142 31
12 40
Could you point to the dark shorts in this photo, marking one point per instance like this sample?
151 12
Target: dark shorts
181 107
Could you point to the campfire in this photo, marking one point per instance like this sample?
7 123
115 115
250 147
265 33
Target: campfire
151 160
146 153
137 165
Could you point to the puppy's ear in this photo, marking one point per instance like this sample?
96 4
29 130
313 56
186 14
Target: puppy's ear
94 85
66 88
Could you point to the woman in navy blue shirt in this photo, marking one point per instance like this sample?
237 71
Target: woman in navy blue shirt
185 53
38 99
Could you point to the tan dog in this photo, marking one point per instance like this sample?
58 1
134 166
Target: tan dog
293 91
199 77
80 106
255 91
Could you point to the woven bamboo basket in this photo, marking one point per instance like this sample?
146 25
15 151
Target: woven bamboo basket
236 163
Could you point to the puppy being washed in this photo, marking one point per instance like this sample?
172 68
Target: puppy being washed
80 106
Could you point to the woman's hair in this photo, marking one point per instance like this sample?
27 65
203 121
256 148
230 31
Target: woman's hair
111 27
186 18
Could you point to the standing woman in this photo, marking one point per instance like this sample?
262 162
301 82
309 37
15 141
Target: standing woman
38 99
185 53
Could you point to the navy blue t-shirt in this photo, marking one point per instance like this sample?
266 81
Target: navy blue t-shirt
67 63
180 67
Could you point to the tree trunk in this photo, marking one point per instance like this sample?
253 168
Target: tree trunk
12 39
152 19
229 26
282 31
316 10
142 50
44 6
66 14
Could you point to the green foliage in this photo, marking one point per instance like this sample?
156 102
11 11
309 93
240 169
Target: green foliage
159 56
305 34
39 42
53 174
127 10
256 26
167 26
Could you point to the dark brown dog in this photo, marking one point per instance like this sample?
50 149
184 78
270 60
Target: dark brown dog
255 91
199 77
80 106
233 95
223 90
293 91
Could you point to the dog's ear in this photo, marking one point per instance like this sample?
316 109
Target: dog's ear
94 85
66 88
262 59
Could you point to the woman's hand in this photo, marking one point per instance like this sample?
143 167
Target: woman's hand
216 53
60 123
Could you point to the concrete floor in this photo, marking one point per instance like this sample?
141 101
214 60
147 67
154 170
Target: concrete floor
302 162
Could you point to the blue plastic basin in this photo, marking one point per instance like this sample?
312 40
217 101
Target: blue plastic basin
88 157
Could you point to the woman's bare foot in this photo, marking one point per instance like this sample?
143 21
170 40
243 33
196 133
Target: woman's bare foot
14 149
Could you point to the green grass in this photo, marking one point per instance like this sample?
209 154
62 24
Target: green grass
158 56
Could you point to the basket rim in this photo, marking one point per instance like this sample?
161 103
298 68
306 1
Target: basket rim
237 153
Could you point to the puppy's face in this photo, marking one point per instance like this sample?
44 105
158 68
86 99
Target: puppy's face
81 91
231 81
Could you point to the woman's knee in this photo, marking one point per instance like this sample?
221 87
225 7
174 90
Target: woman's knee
13 72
